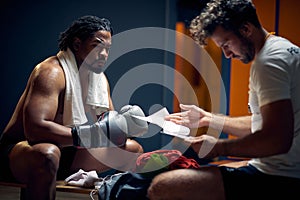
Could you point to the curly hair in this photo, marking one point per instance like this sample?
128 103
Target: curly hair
230 14
83 28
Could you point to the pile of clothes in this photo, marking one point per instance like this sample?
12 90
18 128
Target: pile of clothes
133 185
155 162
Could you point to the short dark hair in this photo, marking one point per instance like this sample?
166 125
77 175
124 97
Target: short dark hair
230 14
83 28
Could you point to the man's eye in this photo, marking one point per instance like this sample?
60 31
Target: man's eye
226 46
100 47
103 46
94 46
97 47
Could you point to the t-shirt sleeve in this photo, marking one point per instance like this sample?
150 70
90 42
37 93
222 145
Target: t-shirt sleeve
272 81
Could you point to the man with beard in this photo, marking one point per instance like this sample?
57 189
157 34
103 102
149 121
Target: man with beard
270 137
64 95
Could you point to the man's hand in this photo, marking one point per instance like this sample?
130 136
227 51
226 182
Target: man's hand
191 116
110 130
136 127
203 145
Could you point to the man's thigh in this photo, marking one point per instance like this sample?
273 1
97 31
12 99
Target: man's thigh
102 159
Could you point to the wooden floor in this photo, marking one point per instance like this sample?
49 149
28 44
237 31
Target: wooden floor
13 193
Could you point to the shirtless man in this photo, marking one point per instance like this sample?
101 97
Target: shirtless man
36 147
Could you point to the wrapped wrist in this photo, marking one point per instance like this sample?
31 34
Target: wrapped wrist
75 137
108 132
217 122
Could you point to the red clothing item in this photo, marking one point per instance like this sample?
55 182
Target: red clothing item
175 160
184 163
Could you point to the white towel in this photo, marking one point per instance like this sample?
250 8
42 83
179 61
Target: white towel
83 178
97 95
76 110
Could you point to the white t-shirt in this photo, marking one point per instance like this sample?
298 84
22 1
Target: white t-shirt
275 75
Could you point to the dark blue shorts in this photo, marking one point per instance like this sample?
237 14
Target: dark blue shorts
249 183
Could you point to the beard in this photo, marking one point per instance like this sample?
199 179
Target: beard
247 50
96 70
94 66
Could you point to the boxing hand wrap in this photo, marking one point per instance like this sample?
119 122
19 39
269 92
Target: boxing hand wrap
109 131
136 127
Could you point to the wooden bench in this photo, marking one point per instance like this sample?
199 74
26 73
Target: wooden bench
60 186
234 162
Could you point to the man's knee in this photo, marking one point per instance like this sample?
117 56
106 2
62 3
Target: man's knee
187 184
35 159
157 188
46 158
168 185
133 146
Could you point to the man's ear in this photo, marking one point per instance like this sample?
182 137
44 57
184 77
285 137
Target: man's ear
246 30
76 43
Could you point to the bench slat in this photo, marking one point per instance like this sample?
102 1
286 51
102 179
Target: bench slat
60 186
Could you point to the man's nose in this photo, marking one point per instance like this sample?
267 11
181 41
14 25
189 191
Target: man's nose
104 52
227 53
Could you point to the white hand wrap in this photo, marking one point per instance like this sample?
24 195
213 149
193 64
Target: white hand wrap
217 122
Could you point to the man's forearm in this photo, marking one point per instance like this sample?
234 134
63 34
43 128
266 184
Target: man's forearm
236 126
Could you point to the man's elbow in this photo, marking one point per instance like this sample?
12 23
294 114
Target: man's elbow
284 145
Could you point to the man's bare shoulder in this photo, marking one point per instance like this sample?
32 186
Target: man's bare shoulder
50 65
49 72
